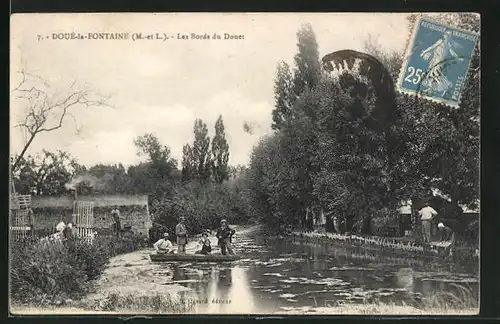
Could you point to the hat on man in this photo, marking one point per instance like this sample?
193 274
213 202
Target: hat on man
223 221
440 225
165 234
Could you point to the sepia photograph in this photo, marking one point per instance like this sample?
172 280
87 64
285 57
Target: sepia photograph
244 164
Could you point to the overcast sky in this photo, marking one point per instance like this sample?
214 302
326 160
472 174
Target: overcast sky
162 87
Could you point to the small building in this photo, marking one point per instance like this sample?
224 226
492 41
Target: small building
49 210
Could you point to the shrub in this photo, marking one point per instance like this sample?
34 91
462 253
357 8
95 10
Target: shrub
89 258
41 272
202 205
385 223
44 272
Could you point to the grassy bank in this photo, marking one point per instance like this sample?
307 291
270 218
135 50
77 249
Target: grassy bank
462 302
377 309
165 304
145 304
55 273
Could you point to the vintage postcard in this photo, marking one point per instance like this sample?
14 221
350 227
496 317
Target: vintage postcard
244 163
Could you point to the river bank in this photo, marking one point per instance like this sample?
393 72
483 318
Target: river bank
276 276
392 246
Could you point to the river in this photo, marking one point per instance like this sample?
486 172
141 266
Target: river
280 275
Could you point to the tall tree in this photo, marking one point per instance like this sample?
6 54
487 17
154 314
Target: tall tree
155 174
188 163
439 144
220 153
45 174
283 96
200 149
307 71
454 149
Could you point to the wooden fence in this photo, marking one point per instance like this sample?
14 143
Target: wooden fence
21 224
83 218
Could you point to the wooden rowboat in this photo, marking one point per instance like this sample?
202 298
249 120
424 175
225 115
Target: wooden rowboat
193 257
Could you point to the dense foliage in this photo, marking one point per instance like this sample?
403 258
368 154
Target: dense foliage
204 191
345 144
349 145
52 272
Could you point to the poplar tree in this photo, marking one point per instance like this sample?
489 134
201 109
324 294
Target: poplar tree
200 151
220 153
283 96
188 171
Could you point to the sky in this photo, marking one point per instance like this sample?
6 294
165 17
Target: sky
161 87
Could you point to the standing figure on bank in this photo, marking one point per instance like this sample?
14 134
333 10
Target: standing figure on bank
115 213
181 233
426 215
225 234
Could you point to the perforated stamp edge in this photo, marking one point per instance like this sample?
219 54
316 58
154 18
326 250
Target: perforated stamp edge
409 47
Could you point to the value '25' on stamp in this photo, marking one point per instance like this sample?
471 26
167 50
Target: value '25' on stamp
437 62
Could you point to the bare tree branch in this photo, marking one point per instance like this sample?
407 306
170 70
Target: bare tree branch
47 112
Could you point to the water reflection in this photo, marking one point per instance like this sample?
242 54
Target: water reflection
294 275
240 294
179 274
405 279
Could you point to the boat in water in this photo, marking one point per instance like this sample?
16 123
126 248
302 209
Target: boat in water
193 257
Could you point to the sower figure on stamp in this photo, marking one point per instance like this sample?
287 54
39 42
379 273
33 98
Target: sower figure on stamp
426 215
436 80
225 234
181 233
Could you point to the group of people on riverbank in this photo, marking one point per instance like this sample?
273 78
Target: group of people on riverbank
224 235
64 232
447 236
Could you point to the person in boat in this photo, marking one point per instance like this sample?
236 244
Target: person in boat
181 233
206 245
163 245
225 234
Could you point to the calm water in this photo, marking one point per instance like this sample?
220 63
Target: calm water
281 274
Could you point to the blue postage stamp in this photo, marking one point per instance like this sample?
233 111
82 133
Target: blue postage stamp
437 62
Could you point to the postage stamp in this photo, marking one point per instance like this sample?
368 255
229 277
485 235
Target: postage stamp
437 62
